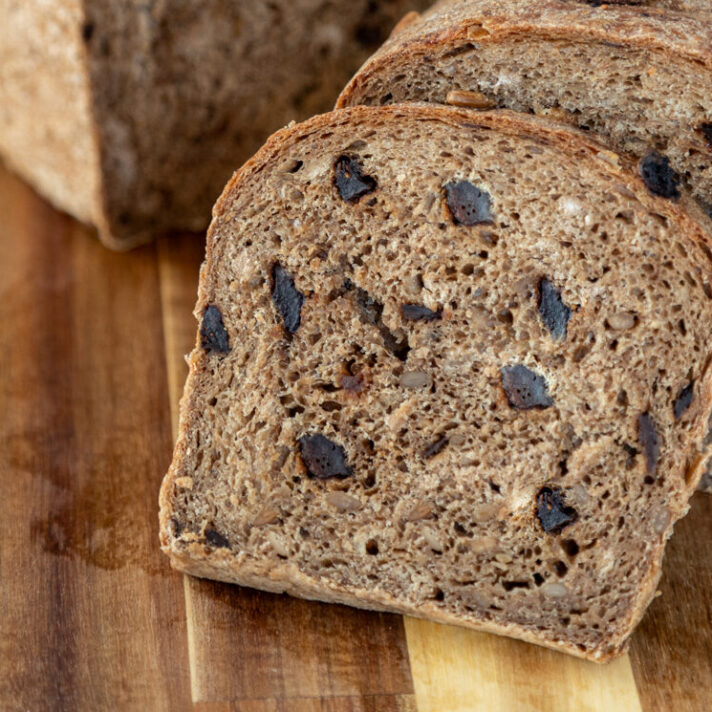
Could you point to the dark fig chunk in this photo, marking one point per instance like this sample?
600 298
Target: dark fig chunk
659 176
524 388
213 335
350 180
706 482
417 312
436 447
468 204
371 312
552 310
398 346
216 539
683 400
552 512
648 439
323 458
287 298
705 130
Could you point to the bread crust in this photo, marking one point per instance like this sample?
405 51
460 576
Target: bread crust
245 569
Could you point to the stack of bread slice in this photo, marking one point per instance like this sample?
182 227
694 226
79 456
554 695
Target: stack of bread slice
455 362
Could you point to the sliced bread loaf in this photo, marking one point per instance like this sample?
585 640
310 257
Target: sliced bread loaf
638 73
133 115
450 364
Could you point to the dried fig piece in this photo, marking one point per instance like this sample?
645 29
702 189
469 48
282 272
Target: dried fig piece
371 312
631 453
350 180
705 129
178 526
435 447
552 512
552 310
648 439
417 312
659 176
683 400
216 539
287 299
468 204
323 458
525 389
213 335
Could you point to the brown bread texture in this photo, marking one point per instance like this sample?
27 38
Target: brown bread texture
637 73
448 364
131 115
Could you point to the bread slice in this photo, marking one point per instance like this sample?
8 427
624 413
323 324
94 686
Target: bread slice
450 364
133 115
638 73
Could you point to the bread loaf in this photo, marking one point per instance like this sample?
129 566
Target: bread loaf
132 115
449 364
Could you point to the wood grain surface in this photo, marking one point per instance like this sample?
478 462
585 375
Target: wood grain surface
93 618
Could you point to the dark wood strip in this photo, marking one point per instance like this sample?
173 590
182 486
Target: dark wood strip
372 703
250 644
671 651
92 617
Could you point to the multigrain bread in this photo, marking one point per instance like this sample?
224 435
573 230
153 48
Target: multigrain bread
451 365
638 73
132 115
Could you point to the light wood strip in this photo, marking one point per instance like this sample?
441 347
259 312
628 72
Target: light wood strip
179 258
462 671
195 692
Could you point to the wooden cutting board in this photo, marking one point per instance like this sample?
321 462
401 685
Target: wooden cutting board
93 618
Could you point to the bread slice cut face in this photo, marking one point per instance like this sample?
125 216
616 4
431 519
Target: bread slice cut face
448 364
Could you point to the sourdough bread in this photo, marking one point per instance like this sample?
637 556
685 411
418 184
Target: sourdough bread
133 115
449 364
